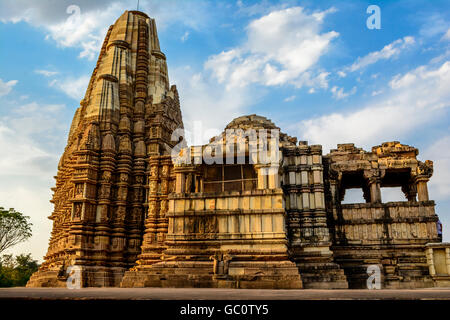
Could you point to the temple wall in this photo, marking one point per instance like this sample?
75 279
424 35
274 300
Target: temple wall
391 236
308 236
248 216
386 223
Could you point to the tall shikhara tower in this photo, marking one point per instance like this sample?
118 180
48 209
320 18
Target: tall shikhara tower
101 196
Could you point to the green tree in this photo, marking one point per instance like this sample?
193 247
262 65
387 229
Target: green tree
14 228
15 272
6 270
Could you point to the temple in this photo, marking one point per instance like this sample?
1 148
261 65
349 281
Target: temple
254 208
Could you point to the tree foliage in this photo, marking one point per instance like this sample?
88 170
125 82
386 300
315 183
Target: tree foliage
14 228
15 272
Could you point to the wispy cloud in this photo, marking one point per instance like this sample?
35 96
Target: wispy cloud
446 36
288 99
6 87
46 73
415 98
33 135
339 93
389 51
72 87
185 36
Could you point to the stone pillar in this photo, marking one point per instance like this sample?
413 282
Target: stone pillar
366 194
374 183
422 189
333 191
262 173
184 178
198 181
273 178
410 191
335 180
268 177
375 191
180 183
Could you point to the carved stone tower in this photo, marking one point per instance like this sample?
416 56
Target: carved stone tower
127 115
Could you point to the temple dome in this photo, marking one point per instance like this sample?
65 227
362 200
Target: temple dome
252 121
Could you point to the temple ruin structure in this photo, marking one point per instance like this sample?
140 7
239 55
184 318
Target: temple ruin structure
128 213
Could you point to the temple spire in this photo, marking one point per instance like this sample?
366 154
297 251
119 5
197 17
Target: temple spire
128 113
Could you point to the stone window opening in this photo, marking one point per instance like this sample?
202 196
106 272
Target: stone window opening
229 177
397 185
352 185
353 195
392 194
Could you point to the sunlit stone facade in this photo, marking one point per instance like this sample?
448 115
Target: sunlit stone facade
128 213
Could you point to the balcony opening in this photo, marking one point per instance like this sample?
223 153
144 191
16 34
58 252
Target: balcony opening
395 184
229 177
353 188
355 195
392 194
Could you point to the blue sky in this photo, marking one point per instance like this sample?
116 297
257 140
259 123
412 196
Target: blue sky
313 67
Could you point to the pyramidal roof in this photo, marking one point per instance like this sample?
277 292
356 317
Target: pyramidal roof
130 49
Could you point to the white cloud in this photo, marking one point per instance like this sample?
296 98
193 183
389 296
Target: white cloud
86 30
46 73
6 87
376 92
23 156
205 94
389 51
83 25
33 137
446 36
73 87
434 24
185 36
205 103
288 99
338 93
31 196
417 98
281 48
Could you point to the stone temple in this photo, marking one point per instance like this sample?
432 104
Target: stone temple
126 214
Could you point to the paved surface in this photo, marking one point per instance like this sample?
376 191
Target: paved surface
218 294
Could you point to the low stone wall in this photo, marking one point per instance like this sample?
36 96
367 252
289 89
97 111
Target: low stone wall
228 239
390 235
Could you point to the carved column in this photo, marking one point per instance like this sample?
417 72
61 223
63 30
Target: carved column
263 173
410 191
374 183
375 190
422 189
180 183
163 221
153 209
422 176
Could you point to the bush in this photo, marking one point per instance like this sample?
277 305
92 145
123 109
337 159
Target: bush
15 272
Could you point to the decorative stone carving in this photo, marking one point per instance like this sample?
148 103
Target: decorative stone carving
127 215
